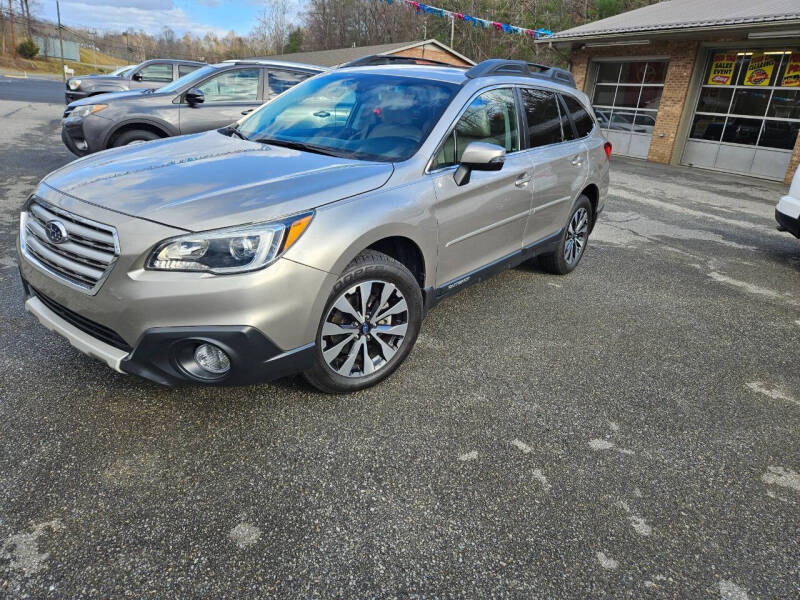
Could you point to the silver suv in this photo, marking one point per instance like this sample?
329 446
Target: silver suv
313 235
150 74
207 98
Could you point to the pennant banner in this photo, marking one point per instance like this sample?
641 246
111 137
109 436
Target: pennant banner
474 21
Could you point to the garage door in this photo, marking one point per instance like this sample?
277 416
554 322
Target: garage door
625 99
748 113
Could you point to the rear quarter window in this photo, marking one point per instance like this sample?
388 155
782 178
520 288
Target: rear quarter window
580 116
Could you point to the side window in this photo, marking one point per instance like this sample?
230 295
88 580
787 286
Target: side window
544 120
186 69
159 72
491 118
566 126
580 116
280 81
240 85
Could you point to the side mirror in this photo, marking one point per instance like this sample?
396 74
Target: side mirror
136 76
195 96
479 156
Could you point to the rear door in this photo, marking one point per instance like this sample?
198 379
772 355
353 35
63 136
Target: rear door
559 163
482 221
185 69
280 80
228 95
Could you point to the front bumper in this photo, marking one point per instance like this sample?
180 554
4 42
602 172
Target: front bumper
787 214
160 353
86 135
787 223
72 95
279 306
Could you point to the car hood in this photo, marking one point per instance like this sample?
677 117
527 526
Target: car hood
101 79
209 180
109 96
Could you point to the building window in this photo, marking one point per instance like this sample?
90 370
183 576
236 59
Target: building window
750 98
627 94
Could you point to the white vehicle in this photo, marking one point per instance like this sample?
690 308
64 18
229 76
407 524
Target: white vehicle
787 213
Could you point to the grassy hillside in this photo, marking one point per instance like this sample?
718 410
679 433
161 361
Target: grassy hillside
88 56
53 65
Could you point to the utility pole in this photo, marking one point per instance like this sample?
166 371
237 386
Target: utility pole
94 48
11 21
61 42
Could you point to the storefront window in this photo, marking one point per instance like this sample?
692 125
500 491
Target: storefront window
707 127
751 98
627 95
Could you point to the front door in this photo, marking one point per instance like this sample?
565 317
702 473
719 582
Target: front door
153 75
228 96
482 221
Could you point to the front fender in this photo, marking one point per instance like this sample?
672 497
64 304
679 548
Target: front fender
341 230
165 127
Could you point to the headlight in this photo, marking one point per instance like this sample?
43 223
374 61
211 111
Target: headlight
233 250
74 84
86 110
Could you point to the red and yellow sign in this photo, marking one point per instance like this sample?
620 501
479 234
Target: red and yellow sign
791 76
759 72
722 69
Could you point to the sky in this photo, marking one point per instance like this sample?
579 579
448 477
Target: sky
195 16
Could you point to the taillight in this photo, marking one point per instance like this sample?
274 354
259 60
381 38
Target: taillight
607 148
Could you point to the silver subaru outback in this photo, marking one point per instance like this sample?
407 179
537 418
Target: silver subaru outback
313 235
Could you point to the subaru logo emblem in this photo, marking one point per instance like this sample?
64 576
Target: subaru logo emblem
56 232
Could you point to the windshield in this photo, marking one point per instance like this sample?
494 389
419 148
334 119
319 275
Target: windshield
356 115
121 71
188 78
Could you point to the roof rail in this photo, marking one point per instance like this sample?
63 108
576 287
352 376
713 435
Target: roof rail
499 66
390 59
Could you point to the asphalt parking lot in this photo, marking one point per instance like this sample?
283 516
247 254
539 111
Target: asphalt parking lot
630 430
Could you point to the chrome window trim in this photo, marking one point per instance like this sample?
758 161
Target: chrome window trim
48 270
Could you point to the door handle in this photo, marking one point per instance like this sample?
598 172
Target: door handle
576 161
522 180
248 111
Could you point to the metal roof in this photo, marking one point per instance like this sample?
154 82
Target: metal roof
331 58
685 14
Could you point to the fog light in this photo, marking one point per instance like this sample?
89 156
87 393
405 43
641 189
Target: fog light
212 359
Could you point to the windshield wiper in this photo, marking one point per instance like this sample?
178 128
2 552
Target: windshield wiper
231 130
301 146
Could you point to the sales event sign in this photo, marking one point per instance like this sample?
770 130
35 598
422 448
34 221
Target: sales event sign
791 77
722 69
760 70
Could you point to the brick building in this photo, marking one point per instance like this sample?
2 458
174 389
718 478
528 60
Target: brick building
430 49
705 83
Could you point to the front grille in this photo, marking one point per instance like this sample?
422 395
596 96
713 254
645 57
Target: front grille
85 257
101 332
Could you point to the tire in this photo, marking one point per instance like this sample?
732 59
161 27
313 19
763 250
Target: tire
574 239
352 352
134 135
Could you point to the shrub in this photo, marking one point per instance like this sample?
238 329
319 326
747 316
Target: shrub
28 49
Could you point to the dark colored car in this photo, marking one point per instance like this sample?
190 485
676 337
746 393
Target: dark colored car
151 74
209 98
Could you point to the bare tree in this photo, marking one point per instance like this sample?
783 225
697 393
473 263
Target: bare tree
271 32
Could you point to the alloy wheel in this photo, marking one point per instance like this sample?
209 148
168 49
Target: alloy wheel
364 328
577 233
